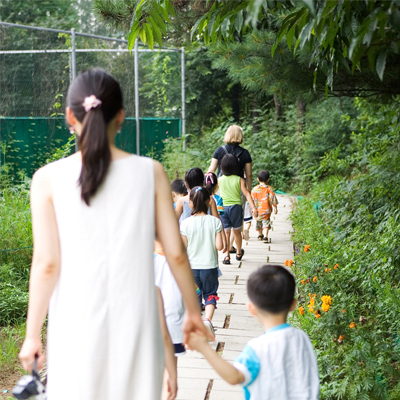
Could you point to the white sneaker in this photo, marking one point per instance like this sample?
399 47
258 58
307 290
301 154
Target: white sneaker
210 327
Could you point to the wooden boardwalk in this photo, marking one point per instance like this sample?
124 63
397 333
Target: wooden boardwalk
235 327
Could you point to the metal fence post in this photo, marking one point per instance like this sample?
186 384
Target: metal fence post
137 97
73 72
183 98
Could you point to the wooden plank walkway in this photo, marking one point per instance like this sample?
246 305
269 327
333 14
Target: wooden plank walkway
235 327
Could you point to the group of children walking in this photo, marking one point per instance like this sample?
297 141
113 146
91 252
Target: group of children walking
209 210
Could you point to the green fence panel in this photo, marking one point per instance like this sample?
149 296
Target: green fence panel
28 142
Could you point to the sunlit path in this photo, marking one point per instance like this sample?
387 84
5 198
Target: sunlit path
235 327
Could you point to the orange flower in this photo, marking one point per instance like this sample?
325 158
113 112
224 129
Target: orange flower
309 295
343 311
303 281
325 307
326 269
341 337
327 299
352 325
314 295
317 315
301 310
285 263
336 266
330 269
306 248
315 279
307 280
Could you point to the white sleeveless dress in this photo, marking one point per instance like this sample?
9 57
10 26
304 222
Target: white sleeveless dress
104 340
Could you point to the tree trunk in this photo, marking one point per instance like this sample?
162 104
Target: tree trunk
278 107
236 102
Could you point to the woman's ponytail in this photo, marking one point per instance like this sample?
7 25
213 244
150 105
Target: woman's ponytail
96 154
95 98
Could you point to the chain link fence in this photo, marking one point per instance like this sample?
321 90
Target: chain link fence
36 67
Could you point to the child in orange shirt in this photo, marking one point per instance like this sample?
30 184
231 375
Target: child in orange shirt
264 200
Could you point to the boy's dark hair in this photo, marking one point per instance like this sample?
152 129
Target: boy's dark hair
271 288
178 186
199 196
194 177
210 182
263 176
230 165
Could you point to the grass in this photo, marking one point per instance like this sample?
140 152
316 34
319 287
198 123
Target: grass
11 338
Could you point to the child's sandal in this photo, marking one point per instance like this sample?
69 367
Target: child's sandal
239 256
226 260
260 237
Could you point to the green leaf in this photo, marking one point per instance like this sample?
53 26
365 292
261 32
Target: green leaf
149 35
381 63
156 31
170 8
196 26
160 22
239 21
161 10
289 36
211 22
372 53
310 5
142 35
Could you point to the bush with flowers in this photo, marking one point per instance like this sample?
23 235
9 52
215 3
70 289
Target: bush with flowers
347 269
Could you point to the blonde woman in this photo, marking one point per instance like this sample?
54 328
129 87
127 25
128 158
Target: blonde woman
233 139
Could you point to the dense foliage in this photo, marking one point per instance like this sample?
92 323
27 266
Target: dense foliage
350 226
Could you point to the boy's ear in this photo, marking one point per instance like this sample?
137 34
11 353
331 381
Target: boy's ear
252 308
294 305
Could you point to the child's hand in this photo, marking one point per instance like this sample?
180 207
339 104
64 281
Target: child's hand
255 212
197 341
276 210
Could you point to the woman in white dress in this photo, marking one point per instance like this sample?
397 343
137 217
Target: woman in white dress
94 217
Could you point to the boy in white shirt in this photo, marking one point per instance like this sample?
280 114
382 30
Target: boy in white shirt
280 364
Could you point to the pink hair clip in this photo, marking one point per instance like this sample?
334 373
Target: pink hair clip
91 102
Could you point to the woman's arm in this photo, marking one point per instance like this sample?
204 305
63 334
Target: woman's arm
168 232
169 351
249 177
219 243
215 213
213 166
45 266
248 197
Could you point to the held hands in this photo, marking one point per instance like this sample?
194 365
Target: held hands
255 212
194 324
29 349
197 341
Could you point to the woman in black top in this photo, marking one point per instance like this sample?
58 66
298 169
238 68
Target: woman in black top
233 138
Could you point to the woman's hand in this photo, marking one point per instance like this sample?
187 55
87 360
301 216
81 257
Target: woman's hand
194 323
30 348
171 386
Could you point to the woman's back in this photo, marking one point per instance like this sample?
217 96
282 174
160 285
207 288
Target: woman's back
104 260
